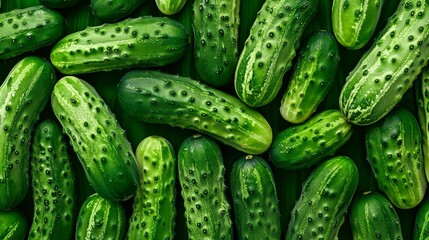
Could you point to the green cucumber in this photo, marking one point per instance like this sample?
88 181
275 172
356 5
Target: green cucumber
113 10
201 176
268 51
313 76
59 3
170 7
53 184
326 195
422 97
156 97
97 138
23 96
388 69
154 210
304 145
13 225
215 25
254 195
421 225
394 151
135 42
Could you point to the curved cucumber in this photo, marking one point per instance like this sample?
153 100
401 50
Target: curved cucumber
422 95
13 225
113 10
421 225
170 7
59 3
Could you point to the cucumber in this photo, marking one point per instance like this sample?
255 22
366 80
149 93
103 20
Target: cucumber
13 225
59 3
97 138
201 176
53 184
254 195
372 216
154 210
269 49
156 97
388 69
215 25
100 219
170 7
114 10
135 42
312 77
422 98
301 146
23 96
28 29
326 195
421 225
394 151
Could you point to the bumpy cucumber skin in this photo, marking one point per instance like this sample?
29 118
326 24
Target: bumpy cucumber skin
59 3
13 225
113 10
28 29
97 138
320 210
156 97
394 151
372 216
270 48
215 26
52 183
170 7
421 225
390 66
100 219
313 76
422 97
255 199
23 96
136 42
201 176
304 145
354 22
154 210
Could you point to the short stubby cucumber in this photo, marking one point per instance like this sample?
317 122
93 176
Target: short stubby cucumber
59 3
270 48
422 98
394 151
354 21
326 194
215 25
154 210
100 219
254 195
27 29
97 138
372 216
201 176
304 145
113 10
23 96
390 66
421 225
53 184
313 76
13 225
135 42
157 97
170 7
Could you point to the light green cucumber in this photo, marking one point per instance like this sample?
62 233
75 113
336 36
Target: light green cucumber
170 7
13 225
114 10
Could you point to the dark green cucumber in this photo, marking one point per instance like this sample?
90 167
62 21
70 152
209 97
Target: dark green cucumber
254 195
53 184
422 97
390 66
113 10
304 145
170 7
372 216
59 3
135 42
270 48
394 151
100 219
326 195
154 210
13 225
201 176
215 25
28 29
421 225
313 76
23 96
97 138
156 97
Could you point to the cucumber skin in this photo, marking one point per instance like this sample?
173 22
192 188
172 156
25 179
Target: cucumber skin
148 96
114 175
59 3
201 176
422 98
13 225
388 69
154 207
320 210
394 151
136 42
23 96
170 7
36 27
421 226
254 194
114 10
